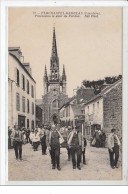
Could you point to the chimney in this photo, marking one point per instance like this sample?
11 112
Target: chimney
16 51
27 66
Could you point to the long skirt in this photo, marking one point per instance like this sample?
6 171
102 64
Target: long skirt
35 145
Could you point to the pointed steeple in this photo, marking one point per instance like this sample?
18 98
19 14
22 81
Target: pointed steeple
45 74
54 55
54 46
63 74
45 71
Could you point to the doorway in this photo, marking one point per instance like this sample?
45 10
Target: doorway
21 121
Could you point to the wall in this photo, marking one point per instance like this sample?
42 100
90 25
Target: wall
12 112
113 109
94 115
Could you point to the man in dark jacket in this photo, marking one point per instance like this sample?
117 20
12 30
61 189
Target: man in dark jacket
53 145
75 142
17 138
103 139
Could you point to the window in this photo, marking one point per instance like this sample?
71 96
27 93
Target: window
88 130
17 102
27 106
23 82
17 77
32 124
32 108
32 91
23 103
27 86
27 123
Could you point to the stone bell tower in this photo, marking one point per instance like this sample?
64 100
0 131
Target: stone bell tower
54 86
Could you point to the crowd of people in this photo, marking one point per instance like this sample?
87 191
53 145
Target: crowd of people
54 137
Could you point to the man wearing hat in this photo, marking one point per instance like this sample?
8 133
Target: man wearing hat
113 148
17 138
53 144
75 143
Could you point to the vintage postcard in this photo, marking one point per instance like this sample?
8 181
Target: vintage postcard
65 93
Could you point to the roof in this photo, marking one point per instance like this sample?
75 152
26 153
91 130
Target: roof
84 94
104 91
13 48
22 65
76 109
67 102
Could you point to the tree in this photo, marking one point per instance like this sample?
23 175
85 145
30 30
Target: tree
97 85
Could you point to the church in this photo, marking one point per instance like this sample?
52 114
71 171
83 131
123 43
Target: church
54 88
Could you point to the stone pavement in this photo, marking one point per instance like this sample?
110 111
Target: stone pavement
37 167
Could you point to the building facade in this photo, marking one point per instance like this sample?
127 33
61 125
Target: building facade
71 113
38 116
54 87
21 91
104 111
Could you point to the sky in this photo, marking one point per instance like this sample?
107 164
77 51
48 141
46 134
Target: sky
89 47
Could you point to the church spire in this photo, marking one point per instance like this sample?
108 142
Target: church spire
45 71
45 74
54 46
63 74
54 55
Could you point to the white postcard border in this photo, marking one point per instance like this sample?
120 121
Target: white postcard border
4 87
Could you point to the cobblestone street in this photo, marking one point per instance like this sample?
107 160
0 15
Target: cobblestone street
37 167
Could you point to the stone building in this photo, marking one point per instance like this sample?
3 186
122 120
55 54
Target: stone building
54 87
104 111
21 90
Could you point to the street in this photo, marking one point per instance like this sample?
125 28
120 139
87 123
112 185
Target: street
37 167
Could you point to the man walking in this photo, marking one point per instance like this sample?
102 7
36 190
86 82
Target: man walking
53 144
17 138
113 148
75 142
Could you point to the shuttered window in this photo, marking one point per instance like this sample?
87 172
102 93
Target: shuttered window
17 102
17 77
27 86
32 91
27 106
32 108
23 82
23 103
